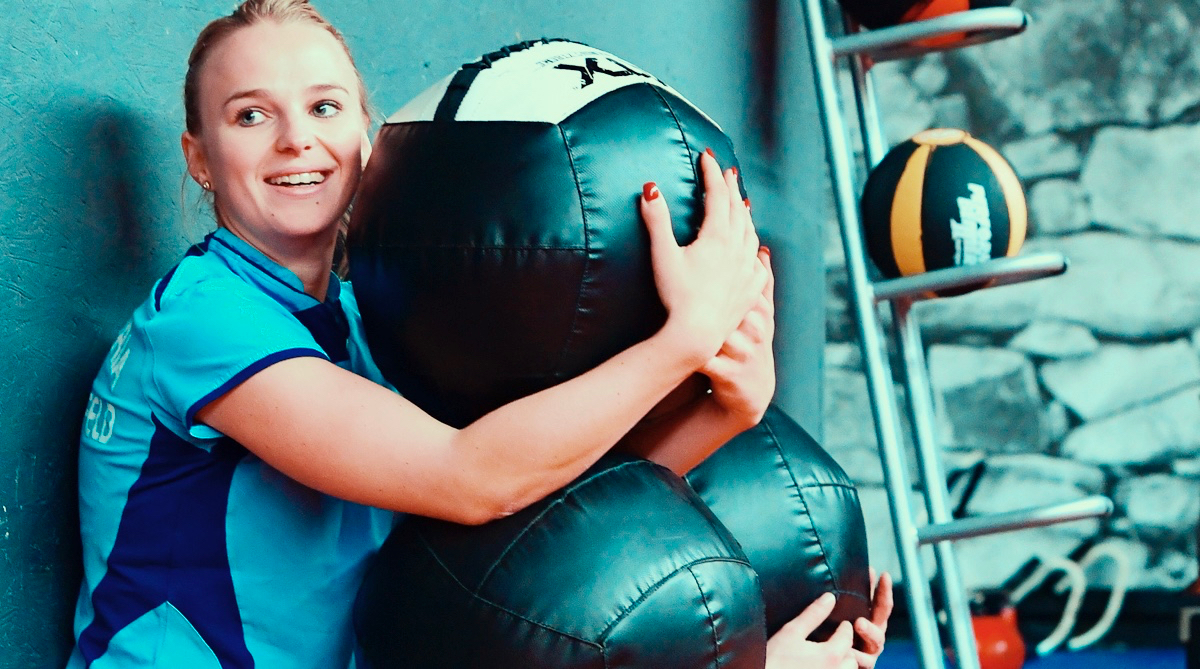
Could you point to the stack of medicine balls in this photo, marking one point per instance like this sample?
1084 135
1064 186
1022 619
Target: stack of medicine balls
496 249
938 200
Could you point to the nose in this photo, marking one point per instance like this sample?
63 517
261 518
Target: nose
296 134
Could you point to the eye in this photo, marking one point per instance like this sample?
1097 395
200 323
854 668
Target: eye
326 108
250 116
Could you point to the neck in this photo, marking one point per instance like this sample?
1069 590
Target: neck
309 258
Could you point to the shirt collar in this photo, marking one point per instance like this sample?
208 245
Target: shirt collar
276 280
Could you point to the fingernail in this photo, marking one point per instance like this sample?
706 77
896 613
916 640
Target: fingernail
710 153
649 191
828 598
747 201
734 170
768 252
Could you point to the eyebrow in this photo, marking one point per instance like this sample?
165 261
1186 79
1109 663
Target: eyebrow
262 92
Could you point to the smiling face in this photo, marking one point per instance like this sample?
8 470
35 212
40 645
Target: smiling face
282 135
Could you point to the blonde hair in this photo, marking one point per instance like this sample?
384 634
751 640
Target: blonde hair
247 14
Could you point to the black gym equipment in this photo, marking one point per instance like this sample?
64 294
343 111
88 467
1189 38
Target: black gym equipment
796 515
625 567
497 250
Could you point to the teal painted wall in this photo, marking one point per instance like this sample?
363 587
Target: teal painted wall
93 209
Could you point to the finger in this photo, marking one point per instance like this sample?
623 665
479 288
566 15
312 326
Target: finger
842 640
755 327
863 660
716 196
764 257
762 276
812 616
744 213
658 223
872 636
737 219
720 368
883 602
737 347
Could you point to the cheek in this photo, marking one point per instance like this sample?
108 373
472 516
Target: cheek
239 160
350 146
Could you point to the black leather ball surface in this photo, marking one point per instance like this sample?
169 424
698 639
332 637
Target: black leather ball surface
496 246
623 568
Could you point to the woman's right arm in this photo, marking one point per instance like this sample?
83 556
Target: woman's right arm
344 435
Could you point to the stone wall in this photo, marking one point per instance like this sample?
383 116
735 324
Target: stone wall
1085 383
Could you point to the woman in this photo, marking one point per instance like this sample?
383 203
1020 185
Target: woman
240 460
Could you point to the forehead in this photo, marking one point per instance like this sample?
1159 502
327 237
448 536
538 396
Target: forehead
279 58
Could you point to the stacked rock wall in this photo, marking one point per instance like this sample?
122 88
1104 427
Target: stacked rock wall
1085 383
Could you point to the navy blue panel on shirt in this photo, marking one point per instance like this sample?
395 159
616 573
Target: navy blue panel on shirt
171 547
329 327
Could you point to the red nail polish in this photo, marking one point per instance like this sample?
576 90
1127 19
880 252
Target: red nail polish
649 191
710 153
734 170
765 250
747 201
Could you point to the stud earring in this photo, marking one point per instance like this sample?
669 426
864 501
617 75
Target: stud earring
206 186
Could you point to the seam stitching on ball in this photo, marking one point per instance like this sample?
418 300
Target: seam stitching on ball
587 249
803 500
620 617
494 605
566 492
712 625
691 159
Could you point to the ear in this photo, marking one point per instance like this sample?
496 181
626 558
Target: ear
193 153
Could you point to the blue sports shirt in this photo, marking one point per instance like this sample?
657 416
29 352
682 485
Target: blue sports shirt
197 554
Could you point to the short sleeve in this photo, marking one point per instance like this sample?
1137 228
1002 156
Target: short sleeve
212 336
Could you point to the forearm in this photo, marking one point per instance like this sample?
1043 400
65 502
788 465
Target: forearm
683 438
521 456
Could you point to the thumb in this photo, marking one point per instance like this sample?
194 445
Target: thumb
813 615
843 638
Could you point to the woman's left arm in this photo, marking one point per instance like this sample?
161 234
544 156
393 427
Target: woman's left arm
742 379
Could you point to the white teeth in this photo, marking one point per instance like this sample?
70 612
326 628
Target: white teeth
296 179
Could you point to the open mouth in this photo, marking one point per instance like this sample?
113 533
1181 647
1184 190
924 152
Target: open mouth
298 179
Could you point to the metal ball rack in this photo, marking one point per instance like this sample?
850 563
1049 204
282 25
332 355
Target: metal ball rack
855 50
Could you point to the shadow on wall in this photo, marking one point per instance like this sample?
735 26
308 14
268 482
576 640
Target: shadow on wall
79 259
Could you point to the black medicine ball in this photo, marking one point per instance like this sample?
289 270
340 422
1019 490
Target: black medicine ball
496 247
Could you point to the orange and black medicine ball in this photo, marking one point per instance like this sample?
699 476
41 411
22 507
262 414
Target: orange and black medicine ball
884 13
941 199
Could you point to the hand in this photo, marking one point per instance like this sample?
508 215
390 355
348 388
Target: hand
790 647
710 285
872 632
742 374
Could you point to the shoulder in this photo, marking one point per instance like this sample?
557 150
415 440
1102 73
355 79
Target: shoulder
202 309
204 294
200 279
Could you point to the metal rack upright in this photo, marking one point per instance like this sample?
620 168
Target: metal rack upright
867 296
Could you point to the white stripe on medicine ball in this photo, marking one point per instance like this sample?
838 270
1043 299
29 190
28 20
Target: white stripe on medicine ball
546 83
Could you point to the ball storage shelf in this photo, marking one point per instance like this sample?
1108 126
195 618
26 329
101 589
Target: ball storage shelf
855 51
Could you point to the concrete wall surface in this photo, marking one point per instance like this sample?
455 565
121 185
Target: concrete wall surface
93 206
